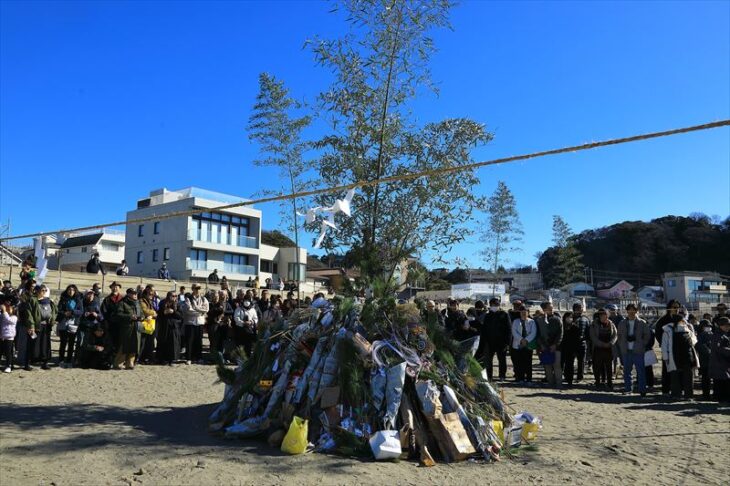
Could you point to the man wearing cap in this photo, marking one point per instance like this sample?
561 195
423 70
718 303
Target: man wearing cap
109 307
126 317
163 273
633 336
195 312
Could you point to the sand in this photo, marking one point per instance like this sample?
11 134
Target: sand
148 426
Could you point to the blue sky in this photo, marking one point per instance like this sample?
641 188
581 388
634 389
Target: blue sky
100 102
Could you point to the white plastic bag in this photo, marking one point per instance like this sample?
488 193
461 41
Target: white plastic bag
386 445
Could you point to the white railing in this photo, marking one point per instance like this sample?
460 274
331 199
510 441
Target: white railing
216 237
239 269
197 265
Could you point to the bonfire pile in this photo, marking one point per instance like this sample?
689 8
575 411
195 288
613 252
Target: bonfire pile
364 380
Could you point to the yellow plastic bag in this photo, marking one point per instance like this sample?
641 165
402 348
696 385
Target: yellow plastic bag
148 325
529 431
498 428
295 440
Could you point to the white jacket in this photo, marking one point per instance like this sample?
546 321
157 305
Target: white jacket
253 316
668 348
196 311
530 327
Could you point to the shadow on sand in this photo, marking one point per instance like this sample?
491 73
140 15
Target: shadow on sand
160 432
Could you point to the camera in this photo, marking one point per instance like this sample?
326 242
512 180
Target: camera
630 338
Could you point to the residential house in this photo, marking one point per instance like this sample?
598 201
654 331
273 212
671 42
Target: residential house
72 253
652 293
579 289
617 289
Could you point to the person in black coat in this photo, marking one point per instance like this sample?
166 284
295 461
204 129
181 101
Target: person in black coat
570 346
495 331
70 309
95 349
169 329
94 265
457 323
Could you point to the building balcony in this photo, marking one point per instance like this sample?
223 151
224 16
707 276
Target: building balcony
226 268
713 288
216 238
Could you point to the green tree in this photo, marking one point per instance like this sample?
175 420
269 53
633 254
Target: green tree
503 229
568 265
378 67
278 132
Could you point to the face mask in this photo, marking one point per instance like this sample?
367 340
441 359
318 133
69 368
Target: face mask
493 309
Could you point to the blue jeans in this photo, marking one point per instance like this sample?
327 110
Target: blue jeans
632 360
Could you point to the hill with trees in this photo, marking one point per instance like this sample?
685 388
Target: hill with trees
670 243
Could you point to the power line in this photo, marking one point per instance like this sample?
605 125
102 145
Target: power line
384 180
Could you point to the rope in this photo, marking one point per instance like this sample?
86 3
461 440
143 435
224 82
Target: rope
384 180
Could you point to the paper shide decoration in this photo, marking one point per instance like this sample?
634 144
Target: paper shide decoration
343 206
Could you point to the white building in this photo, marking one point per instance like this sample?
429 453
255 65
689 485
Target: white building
478 291
193 246
693 288
579 289
72 253
653 293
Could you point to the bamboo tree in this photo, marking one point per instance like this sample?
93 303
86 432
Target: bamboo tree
503 229
379 67
278 132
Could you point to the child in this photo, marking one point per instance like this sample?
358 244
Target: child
720 360
8 321
704 343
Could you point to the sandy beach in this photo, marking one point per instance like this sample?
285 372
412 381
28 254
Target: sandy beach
148 426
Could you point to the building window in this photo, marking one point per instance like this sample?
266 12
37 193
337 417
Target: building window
166 254
198 260
671 283
227 221
109 246
156 228
67 251
269 266
293 274
83 249
140 230
140 257
694 284
155 254
233 263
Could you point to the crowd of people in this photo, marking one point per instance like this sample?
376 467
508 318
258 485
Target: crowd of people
123 329
608 343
